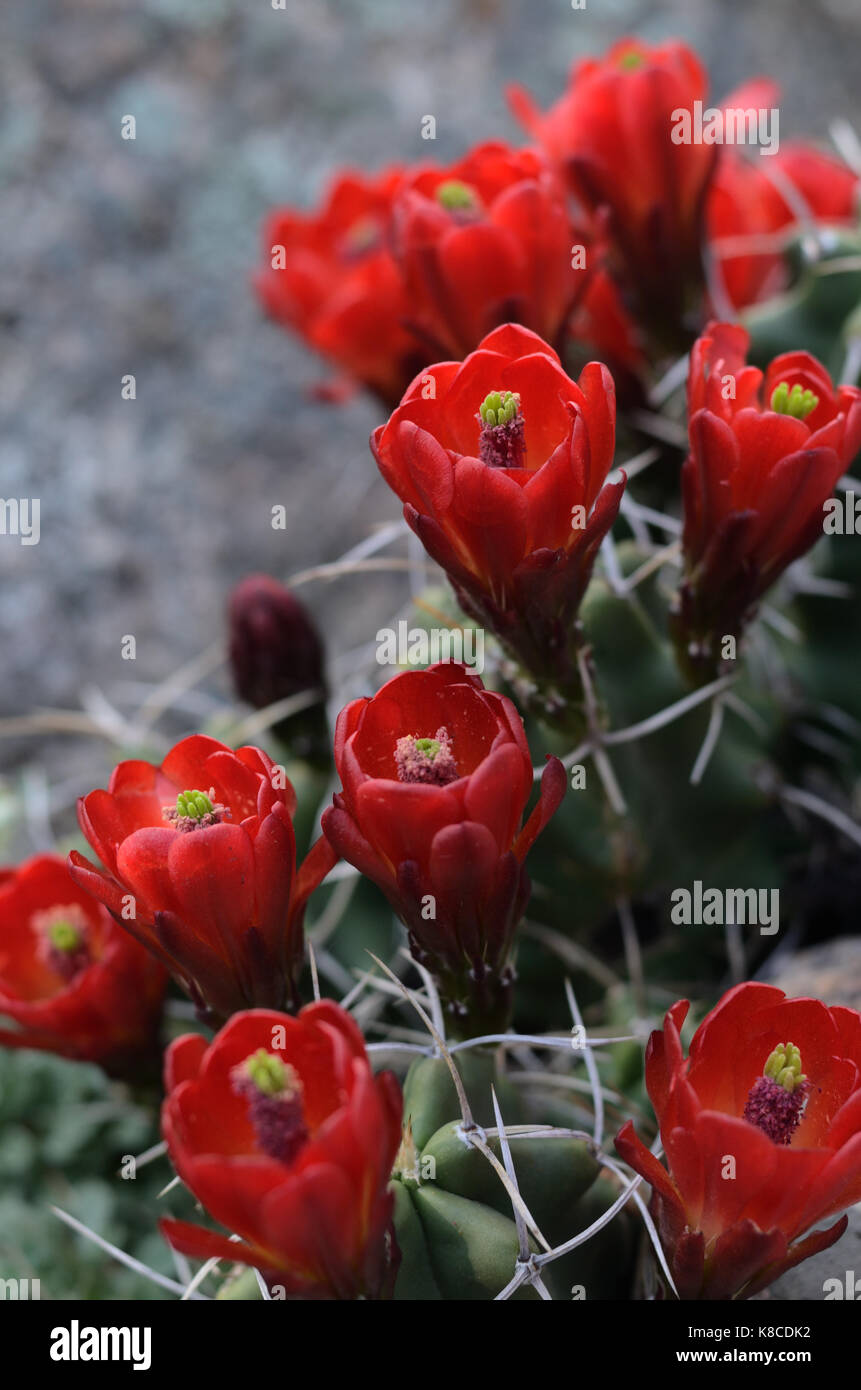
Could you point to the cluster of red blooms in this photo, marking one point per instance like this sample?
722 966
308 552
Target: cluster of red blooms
513 262
279 1126
502 461
594 238
503 472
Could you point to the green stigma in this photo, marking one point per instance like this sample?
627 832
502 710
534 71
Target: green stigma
799 403
428 746
631 60
499 407
193 804
456 196
267 1072
63 936
784 1067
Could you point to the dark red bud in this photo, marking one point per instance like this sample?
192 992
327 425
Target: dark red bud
275 650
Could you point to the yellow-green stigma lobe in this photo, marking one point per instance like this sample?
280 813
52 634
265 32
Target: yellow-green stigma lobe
784 1066
799 402
631 60
267 1072
195 810
499 407
428 747
64 937
63 934
456 196
273 1092
776 1100
194 804
427 760
502 438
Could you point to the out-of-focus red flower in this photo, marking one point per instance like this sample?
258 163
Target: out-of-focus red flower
487 240
751 201
285 1136
611 133
70 980
436 775
743 215
330 277
602 326
275 654
826 186
766 450
199 864
513 510
761 1127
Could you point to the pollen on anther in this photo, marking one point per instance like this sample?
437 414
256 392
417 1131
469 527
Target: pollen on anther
428 760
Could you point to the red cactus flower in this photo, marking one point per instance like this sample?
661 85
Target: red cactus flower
602 327
612 134
758 1150
487 240
285 1136
743 215
751 201
436 775
199 865
331 278
510 501
811 180
766 450
70 980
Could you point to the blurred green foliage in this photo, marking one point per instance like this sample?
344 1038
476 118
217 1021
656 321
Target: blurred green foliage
65 1129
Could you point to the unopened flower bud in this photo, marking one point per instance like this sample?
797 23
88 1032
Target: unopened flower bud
276 653
275 650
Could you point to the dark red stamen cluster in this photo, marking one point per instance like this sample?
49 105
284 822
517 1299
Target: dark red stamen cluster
278 1120
775 1110
503 446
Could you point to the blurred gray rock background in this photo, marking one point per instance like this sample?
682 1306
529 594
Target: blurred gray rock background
135 256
